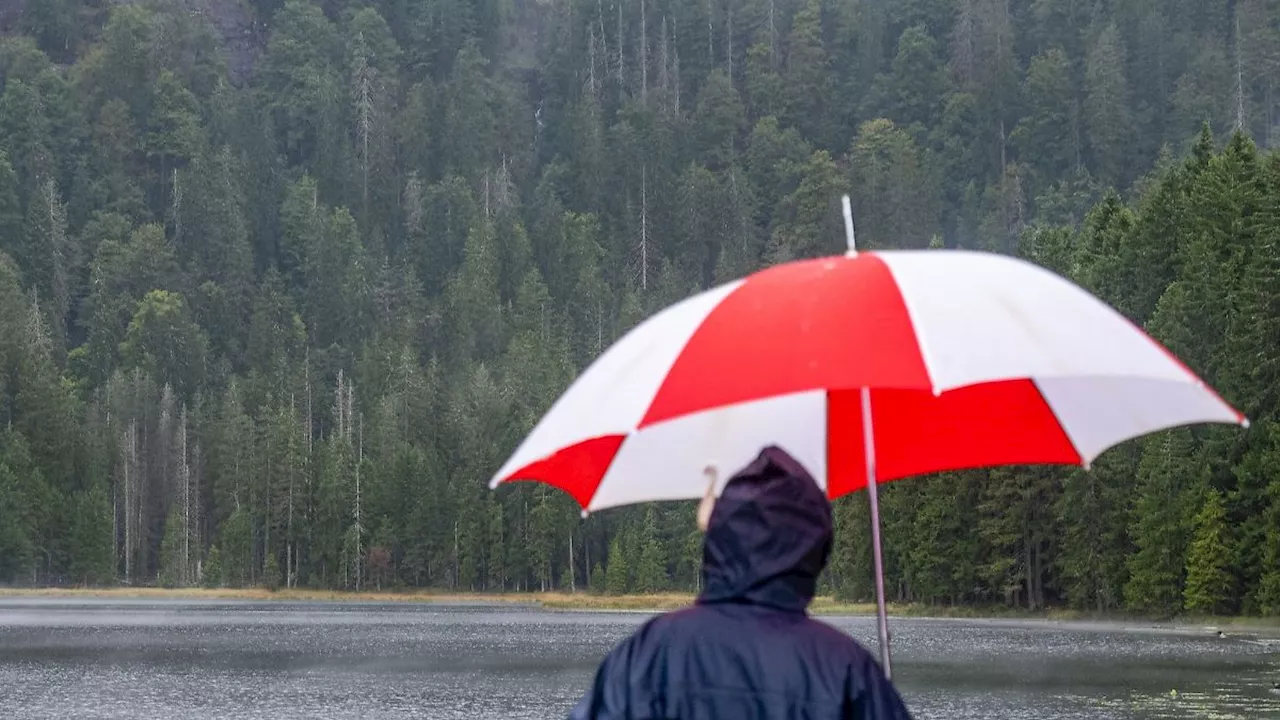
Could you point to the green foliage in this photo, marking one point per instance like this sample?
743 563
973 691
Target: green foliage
598 580
212 576
805 222
650 570
16 547
174 133
91 538
271 573
173 561
165 342
1161 531
1094 515
916 82
618 574
237 545
894 191
11 228
806 59
719 118
328 297
1107 110
1210 584
1044 138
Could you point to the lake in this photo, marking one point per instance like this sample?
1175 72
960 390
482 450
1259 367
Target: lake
110 658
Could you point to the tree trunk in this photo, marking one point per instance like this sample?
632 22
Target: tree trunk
1027 562
644 228
644 52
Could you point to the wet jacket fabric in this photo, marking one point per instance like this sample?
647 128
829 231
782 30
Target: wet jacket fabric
747 650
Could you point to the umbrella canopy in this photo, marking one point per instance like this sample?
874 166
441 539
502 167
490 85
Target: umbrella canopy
967 360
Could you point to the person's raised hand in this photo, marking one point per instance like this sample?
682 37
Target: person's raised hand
709 499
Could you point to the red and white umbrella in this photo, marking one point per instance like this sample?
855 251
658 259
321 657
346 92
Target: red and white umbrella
971 360
873 364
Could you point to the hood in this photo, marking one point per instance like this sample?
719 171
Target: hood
769 536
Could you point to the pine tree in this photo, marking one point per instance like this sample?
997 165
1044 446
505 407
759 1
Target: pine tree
719 119
91 538
598 580
1269 586
650 571
213 574
271 573
1107 117
173 565
1210 585
1267 599
1093 515
617 574
16 547
165 342
805 61
237 544
894 193
910 92
1046 138
1169 477
11 230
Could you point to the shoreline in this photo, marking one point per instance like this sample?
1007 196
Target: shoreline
647 604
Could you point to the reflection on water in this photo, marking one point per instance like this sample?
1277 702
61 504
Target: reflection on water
122 659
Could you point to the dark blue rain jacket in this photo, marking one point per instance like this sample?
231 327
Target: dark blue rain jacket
747 650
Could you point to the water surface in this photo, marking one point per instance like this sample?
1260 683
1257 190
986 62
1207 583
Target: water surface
248 660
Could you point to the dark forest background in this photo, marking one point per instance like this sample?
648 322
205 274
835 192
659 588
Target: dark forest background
282 283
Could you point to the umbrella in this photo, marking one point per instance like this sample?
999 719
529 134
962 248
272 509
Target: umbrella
870 365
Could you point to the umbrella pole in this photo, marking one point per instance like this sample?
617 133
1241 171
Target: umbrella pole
869 453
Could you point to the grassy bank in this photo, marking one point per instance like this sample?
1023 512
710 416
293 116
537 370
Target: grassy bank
282 595
549 600
622 603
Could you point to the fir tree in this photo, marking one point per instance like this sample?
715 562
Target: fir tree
617 575
213 575
1209 588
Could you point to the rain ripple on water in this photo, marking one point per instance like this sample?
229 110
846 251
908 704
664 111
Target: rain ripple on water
278 661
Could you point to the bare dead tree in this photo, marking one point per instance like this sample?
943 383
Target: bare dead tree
593 87
773 36
644 52
711 35
675 67
644 227
1239 73
664 60
359 528
364 92
622 80
176 211
184 574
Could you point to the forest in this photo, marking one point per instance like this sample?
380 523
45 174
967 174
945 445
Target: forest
283 282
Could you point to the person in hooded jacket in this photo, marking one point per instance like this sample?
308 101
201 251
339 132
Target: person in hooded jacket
747 650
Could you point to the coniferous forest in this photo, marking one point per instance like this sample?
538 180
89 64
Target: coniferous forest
283 282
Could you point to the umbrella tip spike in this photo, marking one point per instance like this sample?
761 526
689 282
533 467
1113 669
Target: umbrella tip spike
1244 422
585 513
848 225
